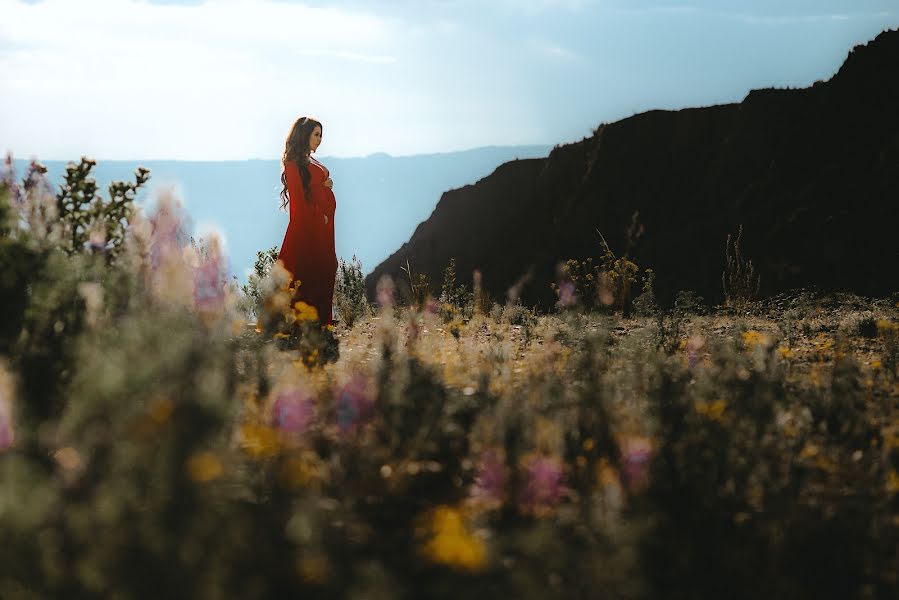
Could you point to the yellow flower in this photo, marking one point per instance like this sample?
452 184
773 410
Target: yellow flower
314 569
892 482
809 451
203 467
305 312
161 411
451 544
298 471
753 338
711 410
258 441
786 352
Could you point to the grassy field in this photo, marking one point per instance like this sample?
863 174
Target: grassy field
153 443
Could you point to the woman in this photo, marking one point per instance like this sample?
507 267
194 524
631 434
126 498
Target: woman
308 247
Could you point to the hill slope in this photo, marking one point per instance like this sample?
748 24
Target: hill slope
812 175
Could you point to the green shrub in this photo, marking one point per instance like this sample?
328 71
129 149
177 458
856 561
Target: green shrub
349 292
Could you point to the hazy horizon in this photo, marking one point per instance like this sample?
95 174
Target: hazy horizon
320 156
378 204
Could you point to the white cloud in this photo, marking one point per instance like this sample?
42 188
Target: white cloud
537 6
221 79
555 51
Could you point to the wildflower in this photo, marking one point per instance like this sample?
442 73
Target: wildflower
490 482
314 569
40 207
892 482
636 453
305 312
786 352
8 180
170 275
203 467
97 237
693 346
292 411
67 458
354 405
7 433
301 470
161 411
167 228
605 291
567 296
450 542
209 279
544 488
753 338
713 411
258 441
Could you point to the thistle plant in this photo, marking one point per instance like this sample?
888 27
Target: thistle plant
349 292
419 286
89 220
739 279
253 289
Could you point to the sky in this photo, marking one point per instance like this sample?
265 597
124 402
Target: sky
225 79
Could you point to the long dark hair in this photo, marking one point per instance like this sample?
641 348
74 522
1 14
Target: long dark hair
296 150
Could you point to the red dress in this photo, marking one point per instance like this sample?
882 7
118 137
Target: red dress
308 247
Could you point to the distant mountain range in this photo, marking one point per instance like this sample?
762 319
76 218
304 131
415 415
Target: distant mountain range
380 198
811 174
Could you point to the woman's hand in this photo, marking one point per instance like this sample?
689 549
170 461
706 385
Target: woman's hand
328 183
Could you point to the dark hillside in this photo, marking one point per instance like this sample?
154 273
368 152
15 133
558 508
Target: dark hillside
812 175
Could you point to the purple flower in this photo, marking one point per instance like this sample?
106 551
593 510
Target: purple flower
636 453
544 487
97 240
168 230
8 179
355 406
292 411
694 358
209 291
7 435
490 482
567 296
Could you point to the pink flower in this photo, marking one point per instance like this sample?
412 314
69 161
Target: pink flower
490 482
292 411
7 434
168 230
544 488
567 296
8 180
694 345
355 406
636 453
209 280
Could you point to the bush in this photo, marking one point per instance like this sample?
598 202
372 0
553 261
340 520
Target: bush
349 292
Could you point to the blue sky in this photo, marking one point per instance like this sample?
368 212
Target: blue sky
224 79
